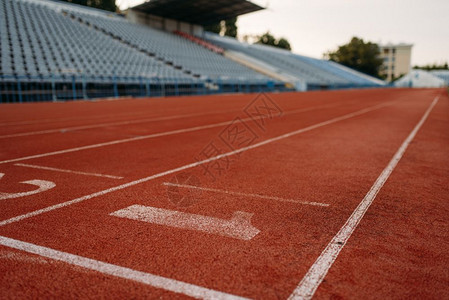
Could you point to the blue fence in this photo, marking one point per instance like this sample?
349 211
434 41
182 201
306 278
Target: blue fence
311 87
64 88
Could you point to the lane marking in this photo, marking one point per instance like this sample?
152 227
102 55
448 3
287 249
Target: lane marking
66 129
143 137
149 279
238 227
86 118
187 186
43 185
13 256
93 118
315 275
146 120
192 165
133 139
66 171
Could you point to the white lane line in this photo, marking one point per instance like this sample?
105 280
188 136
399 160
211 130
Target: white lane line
85 118
67 171
156 281
309 284
137 138
192 165
43 121
127 140
187 186
238 227
23 257
66 129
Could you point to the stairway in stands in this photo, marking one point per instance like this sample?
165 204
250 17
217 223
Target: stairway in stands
200 42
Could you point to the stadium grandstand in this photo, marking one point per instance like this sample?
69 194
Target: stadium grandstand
442 74
51 50
424 79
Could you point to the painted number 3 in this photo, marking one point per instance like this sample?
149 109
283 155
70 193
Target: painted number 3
42 186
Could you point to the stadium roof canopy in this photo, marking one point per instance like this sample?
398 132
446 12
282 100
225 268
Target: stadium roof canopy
201 12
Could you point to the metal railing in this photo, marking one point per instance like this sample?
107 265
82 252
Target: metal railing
15 89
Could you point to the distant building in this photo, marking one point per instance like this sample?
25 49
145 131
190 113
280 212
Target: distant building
397 60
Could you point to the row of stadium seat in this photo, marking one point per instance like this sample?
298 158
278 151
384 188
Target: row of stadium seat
314 72
42 38
41 41
172 48
349 75
49 38
443 74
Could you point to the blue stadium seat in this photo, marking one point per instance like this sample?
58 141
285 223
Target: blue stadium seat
314 72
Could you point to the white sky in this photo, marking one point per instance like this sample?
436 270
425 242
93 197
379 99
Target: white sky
315 26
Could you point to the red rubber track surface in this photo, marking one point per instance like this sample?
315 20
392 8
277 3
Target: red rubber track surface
399 249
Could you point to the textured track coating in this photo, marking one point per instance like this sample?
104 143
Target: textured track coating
290 168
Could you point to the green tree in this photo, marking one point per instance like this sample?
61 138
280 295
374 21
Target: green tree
268 39
231 27
227 27
215 28
284 44
108 5
358 55
433 67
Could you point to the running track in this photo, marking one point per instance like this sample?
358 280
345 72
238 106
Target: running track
341 194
